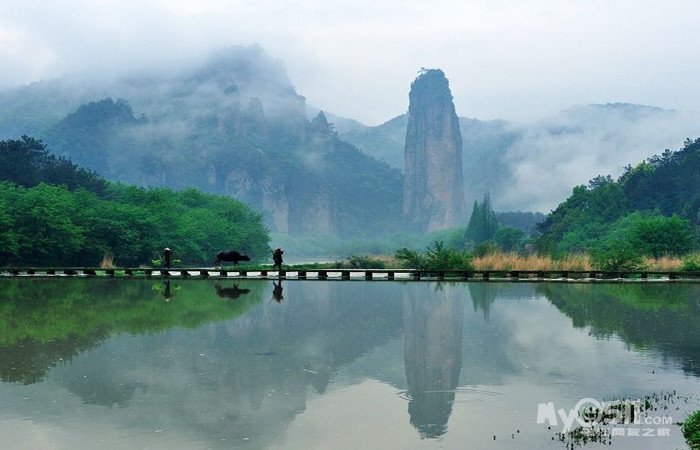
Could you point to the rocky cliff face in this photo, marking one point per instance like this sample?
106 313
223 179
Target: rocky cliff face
433 195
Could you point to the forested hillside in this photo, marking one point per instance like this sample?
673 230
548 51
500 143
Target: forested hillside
53 212
651 209
232 126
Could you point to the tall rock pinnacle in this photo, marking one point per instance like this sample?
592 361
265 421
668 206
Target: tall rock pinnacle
433 195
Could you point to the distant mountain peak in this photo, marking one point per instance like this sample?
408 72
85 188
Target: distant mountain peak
245 67
433 196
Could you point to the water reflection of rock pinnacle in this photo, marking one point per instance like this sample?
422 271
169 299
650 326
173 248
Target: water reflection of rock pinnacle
433 356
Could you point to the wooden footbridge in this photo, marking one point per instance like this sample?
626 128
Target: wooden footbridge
358 274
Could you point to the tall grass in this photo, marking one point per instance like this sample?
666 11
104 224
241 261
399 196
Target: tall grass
107 262
515 261
663 264
510 261
574 261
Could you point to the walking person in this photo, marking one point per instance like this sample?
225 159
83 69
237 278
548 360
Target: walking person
277 258
167 257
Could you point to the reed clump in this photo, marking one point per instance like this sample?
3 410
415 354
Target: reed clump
662 264
107 262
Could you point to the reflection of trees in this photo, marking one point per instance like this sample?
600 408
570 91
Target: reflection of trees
432 325
659 316
250 375
47 321
483 295
28 360
221 373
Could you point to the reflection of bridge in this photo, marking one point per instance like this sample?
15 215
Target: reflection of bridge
364 274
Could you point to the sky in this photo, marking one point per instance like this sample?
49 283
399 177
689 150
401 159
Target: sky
519 60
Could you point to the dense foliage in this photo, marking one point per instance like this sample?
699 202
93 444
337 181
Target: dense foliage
653 209
435 257
27 162
84 218
691 430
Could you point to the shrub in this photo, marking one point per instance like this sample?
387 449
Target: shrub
617 257
437 257
365 262
410 258
691 430
691 262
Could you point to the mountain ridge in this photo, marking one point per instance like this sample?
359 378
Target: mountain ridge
602 138
233 127
524 166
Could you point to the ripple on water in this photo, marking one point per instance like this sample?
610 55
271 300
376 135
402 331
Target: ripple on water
462 394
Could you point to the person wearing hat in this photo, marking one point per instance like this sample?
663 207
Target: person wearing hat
167 254
277 258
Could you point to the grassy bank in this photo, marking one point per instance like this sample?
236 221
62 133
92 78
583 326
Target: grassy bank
450 259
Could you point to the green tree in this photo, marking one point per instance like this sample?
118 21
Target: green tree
657 236
606 200
27 162
482 224
52 225
46 223
654 208
509 239
21 160
9 238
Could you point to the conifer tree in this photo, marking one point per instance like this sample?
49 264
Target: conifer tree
482 223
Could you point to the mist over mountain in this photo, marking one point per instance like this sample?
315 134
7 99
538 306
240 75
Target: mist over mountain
533 167
232 126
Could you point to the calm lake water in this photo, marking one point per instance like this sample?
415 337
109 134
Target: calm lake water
195 364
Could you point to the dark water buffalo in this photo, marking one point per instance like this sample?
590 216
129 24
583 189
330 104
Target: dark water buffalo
232 292
232 256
